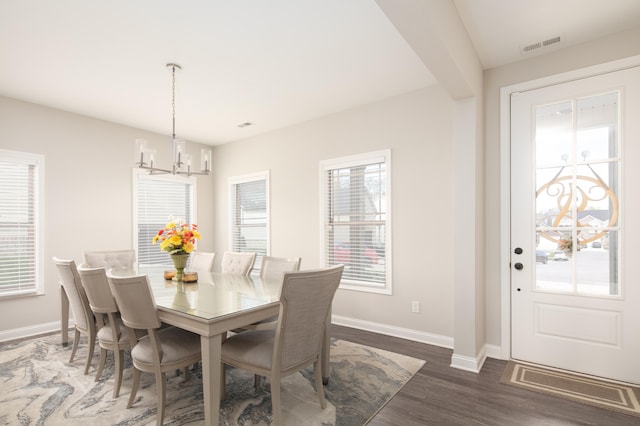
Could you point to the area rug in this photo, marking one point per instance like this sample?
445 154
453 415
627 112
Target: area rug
38 386
587 390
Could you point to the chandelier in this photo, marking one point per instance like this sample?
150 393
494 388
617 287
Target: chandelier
182 162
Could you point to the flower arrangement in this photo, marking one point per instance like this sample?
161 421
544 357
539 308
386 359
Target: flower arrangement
177 237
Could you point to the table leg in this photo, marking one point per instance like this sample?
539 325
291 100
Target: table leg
64 316
211 377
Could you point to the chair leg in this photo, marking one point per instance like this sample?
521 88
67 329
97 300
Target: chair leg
256 380
317 370
161 391
92 346
275 401
103 358
76 338
119 360
134 386
223 381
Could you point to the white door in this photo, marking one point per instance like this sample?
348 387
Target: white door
575 225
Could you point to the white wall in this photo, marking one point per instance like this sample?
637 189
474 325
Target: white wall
418 128
607 49
89 199
88 195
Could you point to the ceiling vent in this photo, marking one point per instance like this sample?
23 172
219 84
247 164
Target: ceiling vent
539 45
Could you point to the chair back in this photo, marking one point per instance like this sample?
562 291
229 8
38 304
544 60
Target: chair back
96 286
70 280
120 260
305 302
238 263
201 261
135 301
273 268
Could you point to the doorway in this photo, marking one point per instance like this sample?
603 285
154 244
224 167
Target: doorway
574 297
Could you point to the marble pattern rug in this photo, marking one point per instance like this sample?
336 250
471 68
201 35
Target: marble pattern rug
38 386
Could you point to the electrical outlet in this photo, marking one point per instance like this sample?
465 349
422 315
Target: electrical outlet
415 307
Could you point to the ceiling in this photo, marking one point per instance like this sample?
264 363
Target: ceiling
270 63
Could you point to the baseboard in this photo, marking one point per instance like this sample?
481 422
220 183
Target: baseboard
467 363
34 330
493 351
457 361
389 330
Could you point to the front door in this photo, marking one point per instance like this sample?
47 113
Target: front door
575 236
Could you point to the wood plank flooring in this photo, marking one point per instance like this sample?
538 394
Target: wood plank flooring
441 395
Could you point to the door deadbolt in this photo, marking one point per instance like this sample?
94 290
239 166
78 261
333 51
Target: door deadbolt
518 250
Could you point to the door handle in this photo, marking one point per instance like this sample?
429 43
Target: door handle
519 266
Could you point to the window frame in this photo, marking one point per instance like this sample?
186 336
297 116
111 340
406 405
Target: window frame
38 161
326 166
186 180
247 178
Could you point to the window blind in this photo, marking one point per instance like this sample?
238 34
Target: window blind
18 225
158 198
250 215
356 219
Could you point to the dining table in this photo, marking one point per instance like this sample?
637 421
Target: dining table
210 307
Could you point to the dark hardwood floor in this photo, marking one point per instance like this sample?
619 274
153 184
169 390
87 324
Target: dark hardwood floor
441 395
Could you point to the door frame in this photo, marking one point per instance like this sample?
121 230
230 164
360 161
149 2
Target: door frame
505 176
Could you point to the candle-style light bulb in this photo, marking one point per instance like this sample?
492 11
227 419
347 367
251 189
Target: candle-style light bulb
152 156
205 159
140 145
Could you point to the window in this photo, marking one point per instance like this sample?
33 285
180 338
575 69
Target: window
21 188
249 216
156 197
356 219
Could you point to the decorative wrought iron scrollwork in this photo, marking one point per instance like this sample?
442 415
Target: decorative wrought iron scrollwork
569 192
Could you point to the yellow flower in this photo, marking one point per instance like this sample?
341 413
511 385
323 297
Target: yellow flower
164 245
175 240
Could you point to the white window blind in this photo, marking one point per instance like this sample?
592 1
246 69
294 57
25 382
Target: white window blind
356 219
157 198
20 227
249 215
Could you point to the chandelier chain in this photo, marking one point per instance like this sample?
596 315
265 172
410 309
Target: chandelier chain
173 99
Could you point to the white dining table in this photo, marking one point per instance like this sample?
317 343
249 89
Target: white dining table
213 305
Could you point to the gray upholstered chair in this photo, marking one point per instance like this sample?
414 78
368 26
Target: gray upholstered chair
82 315
111 336
119 260
163 349
238 263
305 301
201 261
272 268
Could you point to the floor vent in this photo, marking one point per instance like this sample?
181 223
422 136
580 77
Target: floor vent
535 46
